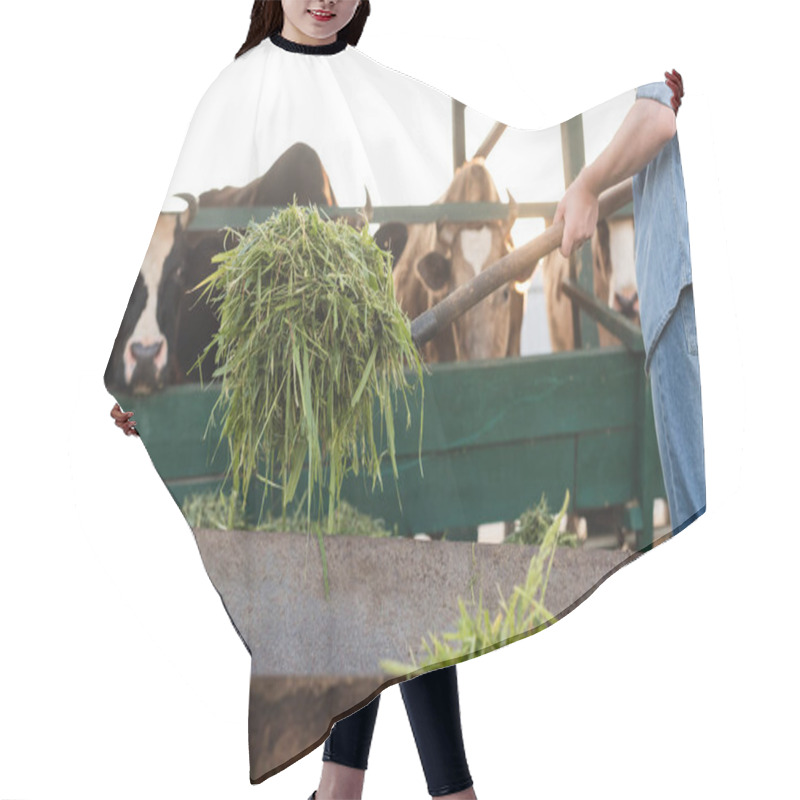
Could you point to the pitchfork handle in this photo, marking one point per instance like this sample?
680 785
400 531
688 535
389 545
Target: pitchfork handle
508 268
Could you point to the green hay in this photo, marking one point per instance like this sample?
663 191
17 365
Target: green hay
311 336
212 510
475 632
533 526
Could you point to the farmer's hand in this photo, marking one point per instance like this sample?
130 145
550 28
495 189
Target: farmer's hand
675 82
122 419
578 209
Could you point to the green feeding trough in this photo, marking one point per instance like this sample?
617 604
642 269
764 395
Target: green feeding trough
497 434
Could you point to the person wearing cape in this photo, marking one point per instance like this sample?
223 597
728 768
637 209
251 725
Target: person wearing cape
301 113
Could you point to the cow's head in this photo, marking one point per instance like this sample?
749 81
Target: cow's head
446 255
142 358
166 326
614 267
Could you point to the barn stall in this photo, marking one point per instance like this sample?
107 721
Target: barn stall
499 432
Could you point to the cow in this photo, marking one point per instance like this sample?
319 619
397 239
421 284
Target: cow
614 282
164 328
430 260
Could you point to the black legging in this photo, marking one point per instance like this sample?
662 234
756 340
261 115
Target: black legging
432 705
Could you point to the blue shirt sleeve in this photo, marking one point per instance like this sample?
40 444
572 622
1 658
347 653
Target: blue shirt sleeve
661 232
656 91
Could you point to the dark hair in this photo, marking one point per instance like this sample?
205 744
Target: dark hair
266 18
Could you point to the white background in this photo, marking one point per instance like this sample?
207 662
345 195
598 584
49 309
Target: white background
120 674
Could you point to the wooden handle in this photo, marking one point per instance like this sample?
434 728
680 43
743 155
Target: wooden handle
508 268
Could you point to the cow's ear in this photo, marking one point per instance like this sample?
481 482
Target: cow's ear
392 237
185 218
513 215
435 270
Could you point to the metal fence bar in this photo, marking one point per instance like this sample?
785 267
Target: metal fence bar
214 218
573 148
615 323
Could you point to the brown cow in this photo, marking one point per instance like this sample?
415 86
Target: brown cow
614 282
432 259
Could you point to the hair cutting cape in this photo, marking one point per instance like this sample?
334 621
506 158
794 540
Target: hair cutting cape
548 389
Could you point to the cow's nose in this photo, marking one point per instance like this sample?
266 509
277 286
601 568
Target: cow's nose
627 303
146 352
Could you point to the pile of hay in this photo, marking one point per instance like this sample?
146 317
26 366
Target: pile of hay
476 632
212 509
310 337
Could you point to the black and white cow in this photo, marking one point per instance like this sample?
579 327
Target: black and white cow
164 328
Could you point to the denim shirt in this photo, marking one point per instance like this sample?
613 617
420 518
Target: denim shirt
661 231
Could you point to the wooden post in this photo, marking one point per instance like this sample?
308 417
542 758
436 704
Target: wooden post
491 140
574 151
459 135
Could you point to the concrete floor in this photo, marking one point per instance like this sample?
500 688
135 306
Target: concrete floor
315 660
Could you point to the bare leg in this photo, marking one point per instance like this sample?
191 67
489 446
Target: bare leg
467 794
339 782
345 783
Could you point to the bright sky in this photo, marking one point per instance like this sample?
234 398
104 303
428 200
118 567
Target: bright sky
383 129
534 180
